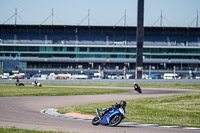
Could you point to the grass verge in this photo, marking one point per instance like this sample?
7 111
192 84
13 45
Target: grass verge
175 86
6 91
15 130
177 110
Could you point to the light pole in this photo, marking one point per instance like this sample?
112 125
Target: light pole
140 38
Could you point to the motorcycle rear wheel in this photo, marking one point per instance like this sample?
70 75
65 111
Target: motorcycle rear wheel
115 120
95 121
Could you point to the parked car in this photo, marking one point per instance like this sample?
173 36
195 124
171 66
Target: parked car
171 76
155 76
145 76
39 77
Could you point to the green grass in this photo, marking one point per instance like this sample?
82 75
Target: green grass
15 130
179 110
8 91
175 86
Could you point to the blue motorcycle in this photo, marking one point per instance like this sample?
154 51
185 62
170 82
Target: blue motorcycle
111 116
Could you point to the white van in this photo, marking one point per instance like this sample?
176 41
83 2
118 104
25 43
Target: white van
170 76
80 76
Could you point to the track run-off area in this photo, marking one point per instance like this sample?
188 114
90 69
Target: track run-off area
24 112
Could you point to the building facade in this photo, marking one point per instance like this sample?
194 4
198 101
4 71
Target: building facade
53 47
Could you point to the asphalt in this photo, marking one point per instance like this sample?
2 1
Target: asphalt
24 112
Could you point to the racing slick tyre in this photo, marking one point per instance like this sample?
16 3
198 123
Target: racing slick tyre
115 120
95 121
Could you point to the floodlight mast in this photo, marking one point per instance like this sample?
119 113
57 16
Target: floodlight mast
15 16
140 38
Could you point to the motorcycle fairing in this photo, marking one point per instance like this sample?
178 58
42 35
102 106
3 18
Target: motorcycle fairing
108 116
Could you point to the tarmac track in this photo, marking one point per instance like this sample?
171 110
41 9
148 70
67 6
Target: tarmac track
24 112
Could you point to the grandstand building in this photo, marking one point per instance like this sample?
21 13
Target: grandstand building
62 47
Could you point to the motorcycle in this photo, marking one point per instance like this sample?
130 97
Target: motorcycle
19 84
137 88
37 84
112 116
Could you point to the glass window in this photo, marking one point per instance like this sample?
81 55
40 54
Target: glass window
49 49
131 50
21 48
23 64
70 49
113 56
33 49
119 49
64 49
56 49
7 48
95 50
147 50
83 49
42 49
121 56
107 49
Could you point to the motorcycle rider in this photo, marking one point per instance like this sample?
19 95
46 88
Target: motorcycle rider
136 86
35 82
115 106
17 81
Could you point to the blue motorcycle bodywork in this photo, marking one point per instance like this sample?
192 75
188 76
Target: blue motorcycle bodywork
107 117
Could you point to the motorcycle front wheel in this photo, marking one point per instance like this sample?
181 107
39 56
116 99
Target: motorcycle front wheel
95 121
115 120
139 90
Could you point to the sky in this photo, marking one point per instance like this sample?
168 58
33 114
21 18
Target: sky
176 13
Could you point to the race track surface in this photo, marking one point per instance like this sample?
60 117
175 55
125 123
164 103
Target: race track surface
24 112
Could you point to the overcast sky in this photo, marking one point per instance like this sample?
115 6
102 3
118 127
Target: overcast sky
179 13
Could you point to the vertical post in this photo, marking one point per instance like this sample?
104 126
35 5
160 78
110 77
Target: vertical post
140 37
161 17
197 23
88 17
52 17
15 16
149 71
174 69
125 18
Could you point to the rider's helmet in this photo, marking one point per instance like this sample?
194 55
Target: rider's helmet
122 104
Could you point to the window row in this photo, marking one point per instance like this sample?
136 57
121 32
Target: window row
96 49
120 56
